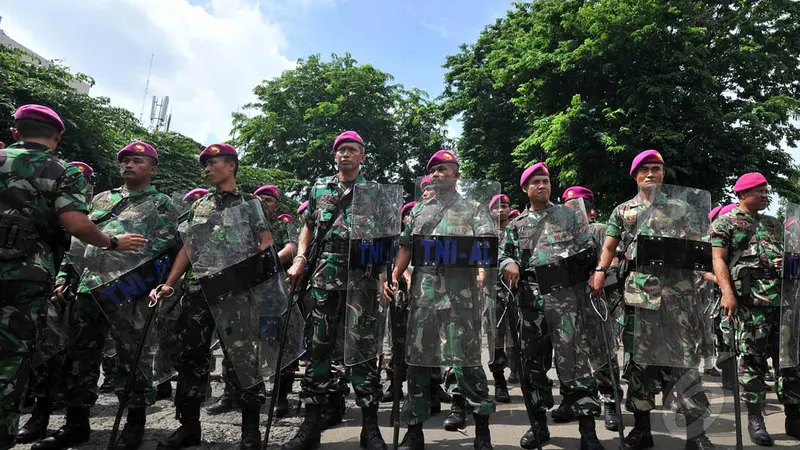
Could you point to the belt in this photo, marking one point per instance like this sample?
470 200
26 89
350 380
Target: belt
337 246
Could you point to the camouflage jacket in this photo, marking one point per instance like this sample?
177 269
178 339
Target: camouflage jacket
282 233
32 176
766 244
561 233
160 231
444 288
331 269
668 218
215 241
598 233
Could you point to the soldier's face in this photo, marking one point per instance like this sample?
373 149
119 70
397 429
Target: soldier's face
349 157
137 168
756 198
218 170
444 176
538 188
270 203
500 212
648 175
428 192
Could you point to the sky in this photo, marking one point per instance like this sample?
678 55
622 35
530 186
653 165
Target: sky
209 54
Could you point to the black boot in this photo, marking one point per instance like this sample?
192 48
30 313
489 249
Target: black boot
529 439
307 437
189 433
414 439
792 421
282 406
457 419
564 413
133 432
436 402
75 431
756 427
225 404
35 426
332 412
483 439
164 391
610 417
589 439
696 438
371 438
641 435
501 394
251 434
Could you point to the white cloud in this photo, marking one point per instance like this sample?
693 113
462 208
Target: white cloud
438 28
207 58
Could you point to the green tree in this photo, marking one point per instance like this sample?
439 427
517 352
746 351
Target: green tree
712 85
292 124
251 178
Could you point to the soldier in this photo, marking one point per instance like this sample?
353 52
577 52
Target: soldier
196 324
748 252
286 218
499 207
439 192
513 214
518 265
326 220
628 221
138 163
39 194
724 362
605 386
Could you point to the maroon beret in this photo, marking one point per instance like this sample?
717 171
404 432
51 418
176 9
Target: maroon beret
137 148
41 114
85 169
441 157
286 218
268 189
536 169
499 198
749 181
303 206
513 213
215 150
347 136
407 207
577 192
646 157
195 194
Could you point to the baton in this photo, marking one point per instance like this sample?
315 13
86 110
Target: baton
596 300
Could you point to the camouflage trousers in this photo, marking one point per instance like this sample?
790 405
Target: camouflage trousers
195 331
21 302
499 358
757 338
85 355
605 385
323 330
471 384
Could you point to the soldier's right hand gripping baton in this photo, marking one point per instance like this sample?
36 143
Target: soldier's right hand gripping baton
601 308
527 393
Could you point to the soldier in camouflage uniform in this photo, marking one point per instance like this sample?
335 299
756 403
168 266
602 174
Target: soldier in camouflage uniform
327 220
648 172
605 385
751 292
472 385
40 197
196 324
518 266
138 163
499 208
724 361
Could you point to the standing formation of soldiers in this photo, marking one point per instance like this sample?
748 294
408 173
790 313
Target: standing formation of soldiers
465 275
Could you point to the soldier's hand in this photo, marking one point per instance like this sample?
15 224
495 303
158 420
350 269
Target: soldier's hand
511 275
597 282
708 276
296 271
728 305
58 298
778 263
160 292
390 289
130 242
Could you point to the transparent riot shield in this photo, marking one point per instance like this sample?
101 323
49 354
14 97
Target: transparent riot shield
120 282
790 305
560 239
374 228
244 284
671 252
454 250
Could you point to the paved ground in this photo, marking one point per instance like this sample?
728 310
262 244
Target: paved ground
507 426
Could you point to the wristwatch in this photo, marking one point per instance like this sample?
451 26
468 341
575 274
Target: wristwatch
599 269
114 243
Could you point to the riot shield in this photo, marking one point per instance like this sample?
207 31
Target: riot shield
790 305
119 282
374 228
454 251
671 252
563 243
244 285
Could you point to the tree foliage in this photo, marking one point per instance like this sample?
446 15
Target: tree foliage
292 124
585 85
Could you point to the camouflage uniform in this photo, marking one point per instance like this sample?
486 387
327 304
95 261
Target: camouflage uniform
328 290
644 295
536 345
196 325
32 176
433 293
91 327
757 286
